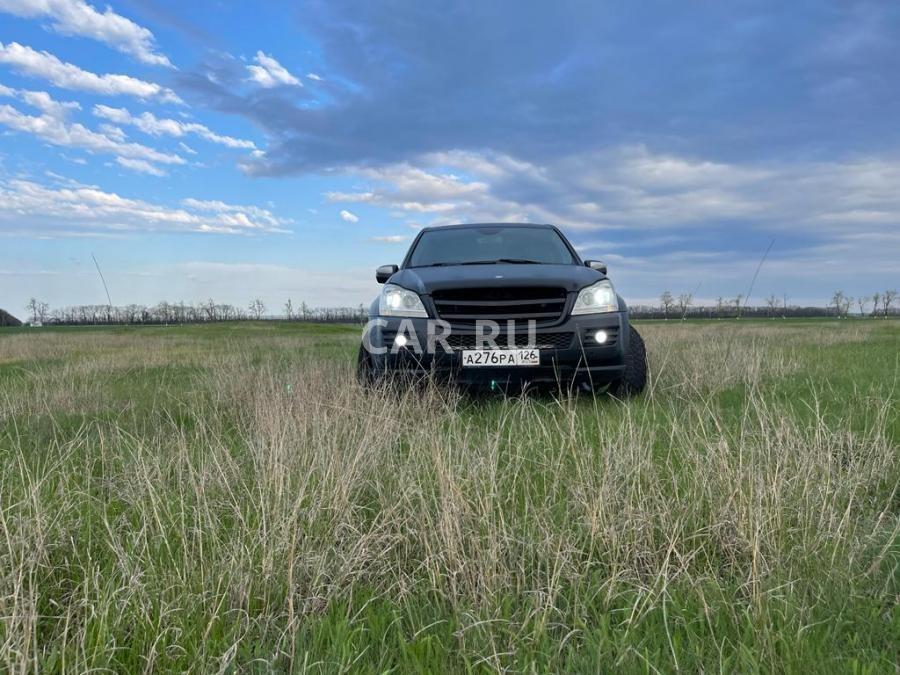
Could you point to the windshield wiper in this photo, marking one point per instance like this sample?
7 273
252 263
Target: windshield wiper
505 261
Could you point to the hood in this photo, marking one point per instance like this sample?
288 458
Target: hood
425 280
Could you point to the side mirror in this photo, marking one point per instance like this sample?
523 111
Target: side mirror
598 265
383 273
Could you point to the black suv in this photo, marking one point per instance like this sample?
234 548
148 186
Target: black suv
499 305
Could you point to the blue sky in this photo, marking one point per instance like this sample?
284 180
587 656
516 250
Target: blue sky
240 150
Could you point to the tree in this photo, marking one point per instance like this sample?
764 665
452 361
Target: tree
720 304
886 299
772 304
737 304
667 301
257 308
209 309
861 302
31 307
38 310
685 300
288 309
837 301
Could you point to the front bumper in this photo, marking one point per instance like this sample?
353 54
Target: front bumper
562 361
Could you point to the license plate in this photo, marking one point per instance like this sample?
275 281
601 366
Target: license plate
501 357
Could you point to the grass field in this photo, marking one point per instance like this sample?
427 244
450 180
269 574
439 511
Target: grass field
225 498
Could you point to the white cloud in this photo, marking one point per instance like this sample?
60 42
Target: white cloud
46 66
76 17
413 189
188 149
156 126
840 215
112 131
44 210
632 188
314 77
242 213
42 101
53 127
390 239
269 73
140 166
348 217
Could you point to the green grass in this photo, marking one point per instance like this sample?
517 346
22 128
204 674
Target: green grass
225 497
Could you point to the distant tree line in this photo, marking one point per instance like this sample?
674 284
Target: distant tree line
670 307
182 312
841 306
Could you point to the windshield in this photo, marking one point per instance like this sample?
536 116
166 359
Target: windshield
486 245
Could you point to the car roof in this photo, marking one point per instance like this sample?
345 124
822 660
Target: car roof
464 226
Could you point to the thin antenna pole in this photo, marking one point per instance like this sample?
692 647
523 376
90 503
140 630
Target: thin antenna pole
97 265
756 274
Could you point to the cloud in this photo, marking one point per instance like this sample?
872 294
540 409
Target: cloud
736 84
241 214
348 217
140 166
112 131
48 210
43 101
53 127
269 73
390 238
632 188
46 66
156 126
410 188
653 215
314 77
75 17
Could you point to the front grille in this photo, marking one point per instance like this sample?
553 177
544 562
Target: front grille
458 341
465 306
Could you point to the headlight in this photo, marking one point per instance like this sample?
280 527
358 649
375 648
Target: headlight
397 301
600 297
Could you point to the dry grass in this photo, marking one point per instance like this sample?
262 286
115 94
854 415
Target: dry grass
233 504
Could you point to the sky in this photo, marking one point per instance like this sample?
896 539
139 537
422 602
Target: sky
274 150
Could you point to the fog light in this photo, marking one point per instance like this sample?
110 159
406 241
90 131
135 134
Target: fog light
600 336
400 341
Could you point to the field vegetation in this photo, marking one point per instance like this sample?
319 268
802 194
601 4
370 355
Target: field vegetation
226 498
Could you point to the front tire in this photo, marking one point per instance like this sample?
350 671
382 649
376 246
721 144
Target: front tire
634 378
365 373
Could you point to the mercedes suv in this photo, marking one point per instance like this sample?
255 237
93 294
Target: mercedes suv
501 305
